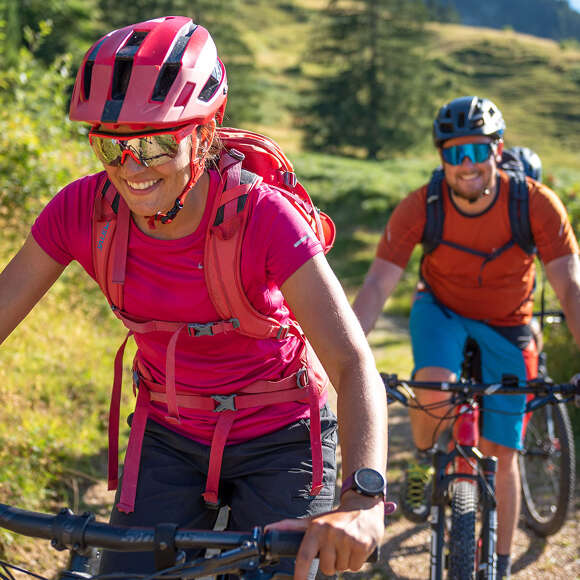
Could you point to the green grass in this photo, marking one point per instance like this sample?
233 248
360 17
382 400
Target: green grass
55 382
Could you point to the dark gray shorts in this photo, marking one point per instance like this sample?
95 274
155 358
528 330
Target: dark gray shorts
262 481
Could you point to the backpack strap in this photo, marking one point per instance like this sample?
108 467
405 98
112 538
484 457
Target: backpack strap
518 207
223 248
110 237
519 212
434 212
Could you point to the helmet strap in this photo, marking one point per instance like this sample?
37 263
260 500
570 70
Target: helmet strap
197 168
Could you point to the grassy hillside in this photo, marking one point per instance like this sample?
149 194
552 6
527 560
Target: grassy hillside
56 368
535 82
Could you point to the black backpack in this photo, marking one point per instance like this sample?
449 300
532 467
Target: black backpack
518 212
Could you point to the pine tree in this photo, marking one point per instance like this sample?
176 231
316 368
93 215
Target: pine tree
376 91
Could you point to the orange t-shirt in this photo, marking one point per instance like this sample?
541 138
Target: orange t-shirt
498 291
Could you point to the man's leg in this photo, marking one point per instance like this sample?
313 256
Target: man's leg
426 427
437 338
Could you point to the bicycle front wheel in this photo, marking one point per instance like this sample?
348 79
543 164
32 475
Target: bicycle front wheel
462 536
547 469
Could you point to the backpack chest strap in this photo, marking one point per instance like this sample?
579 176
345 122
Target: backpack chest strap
192 328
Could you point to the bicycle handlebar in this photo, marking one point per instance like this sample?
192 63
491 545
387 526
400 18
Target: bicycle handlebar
398 389
69 531
79 532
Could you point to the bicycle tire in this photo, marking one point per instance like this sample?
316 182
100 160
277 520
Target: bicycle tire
547 470
462 536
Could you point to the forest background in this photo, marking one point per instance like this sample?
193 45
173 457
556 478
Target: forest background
348 89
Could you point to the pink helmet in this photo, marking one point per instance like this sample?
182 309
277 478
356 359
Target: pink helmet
162 72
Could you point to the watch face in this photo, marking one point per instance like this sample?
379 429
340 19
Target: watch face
369 481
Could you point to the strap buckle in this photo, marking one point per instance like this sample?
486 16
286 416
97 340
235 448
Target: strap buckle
225 403
302 379
199 329
289 179
206 329
282 332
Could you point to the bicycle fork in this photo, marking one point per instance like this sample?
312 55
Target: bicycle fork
437 515
488 561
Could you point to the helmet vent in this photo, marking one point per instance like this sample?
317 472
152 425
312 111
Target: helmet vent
88 70
172 66
446 128
212 84
87 78
461 120
124 64
136 39
168 74
121 76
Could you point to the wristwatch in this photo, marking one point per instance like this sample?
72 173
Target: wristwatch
366 481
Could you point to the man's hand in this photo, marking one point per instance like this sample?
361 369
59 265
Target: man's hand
342 539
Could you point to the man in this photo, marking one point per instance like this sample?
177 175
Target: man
476 281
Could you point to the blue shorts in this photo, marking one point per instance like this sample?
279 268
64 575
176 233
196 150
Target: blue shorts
438 336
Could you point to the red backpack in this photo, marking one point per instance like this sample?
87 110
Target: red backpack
247 160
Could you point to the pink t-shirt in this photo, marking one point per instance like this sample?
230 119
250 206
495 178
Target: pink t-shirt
165 281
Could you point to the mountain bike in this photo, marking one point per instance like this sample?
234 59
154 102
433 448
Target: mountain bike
245 554
463 515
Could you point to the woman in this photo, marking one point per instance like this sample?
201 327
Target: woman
152 93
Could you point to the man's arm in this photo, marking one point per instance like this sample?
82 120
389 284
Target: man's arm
564 276
379 283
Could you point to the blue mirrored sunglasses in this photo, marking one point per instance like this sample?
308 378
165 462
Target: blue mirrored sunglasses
475 152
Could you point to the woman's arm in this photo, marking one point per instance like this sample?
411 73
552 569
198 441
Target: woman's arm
23 283
345 537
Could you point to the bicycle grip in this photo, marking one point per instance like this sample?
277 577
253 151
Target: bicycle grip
285 544
282 543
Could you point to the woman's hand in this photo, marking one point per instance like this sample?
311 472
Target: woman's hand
342 539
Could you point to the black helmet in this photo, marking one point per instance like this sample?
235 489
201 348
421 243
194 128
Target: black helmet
467 116
529 159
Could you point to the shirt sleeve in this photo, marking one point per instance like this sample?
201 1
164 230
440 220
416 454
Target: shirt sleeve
63 228
551 228
279 236
404 229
